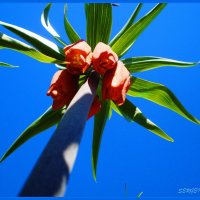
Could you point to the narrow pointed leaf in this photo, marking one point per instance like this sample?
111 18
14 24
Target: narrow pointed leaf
71 33
99 124
45 121
132 113
47 25
3 64
123 44
140 64
128 23
43 45
160 95
99 23
7 42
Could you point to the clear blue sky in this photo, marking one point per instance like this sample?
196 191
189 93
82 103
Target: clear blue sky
129 155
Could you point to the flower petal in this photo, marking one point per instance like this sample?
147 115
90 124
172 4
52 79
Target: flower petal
116 83
63 88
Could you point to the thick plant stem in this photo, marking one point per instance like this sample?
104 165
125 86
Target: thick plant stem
51 173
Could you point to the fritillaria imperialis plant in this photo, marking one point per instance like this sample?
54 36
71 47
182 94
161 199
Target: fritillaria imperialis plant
78 60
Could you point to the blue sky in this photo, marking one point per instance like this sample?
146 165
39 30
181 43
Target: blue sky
129 155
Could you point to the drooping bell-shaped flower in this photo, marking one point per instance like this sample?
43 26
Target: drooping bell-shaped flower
78 56
103 58
63 88
116 83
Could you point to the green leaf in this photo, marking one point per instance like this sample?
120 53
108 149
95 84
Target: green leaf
41 44
7 42
128 23
123 44
45 121
47 25
99 124
140 64
3 64
132 113
99 23
71 33
160 95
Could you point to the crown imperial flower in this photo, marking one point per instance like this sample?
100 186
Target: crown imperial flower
103 58
63 88
116 78
116 83
78 56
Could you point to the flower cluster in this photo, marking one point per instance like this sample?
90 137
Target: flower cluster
79 58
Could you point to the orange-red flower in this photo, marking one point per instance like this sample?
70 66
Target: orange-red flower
116 83
95 107
79 56
63 88
103 58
